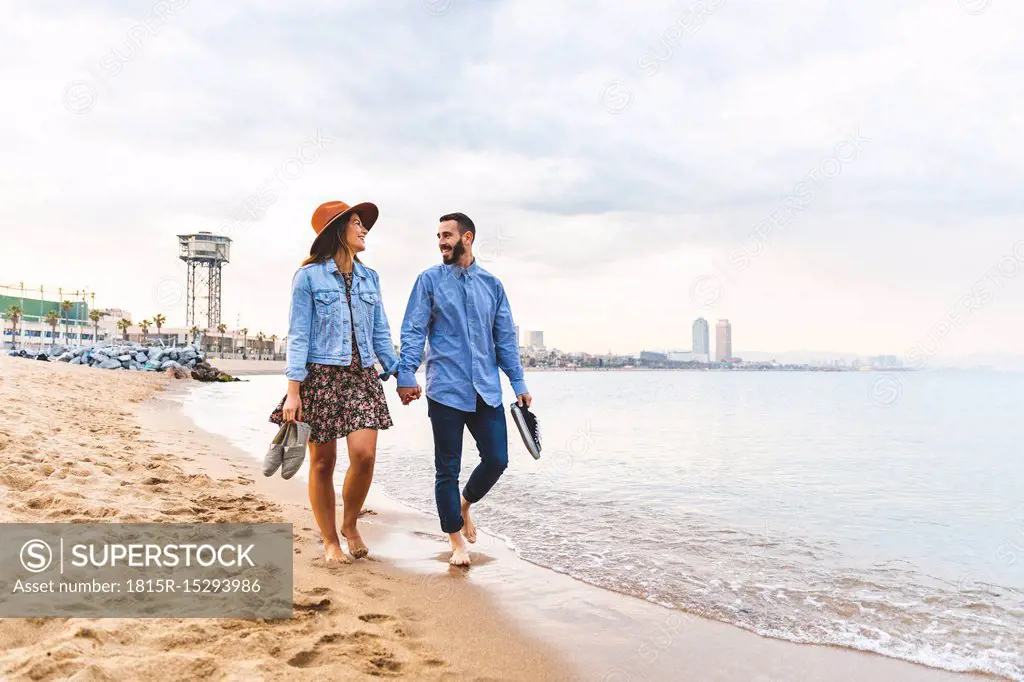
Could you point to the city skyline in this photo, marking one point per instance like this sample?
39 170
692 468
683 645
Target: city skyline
528 338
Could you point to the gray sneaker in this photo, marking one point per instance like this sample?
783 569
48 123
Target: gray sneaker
294 449
275 453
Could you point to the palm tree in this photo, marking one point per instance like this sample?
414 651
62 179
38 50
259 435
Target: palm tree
144 326
159 320
123 325
221 329
14 314
95 316
66 305
273 345
52 319
245 336
260 337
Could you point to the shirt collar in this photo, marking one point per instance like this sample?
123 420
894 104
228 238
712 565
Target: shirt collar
458 271
357 268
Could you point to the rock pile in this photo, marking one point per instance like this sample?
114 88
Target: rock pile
178 362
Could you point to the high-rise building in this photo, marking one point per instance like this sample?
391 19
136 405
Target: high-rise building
701 339
537 339
723 341
517 335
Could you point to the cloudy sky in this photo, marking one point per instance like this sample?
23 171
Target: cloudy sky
826 174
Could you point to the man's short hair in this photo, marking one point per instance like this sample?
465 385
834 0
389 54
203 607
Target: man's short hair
462 220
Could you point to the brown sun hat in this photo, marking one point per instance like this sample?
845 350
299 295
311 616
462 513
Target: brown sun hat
328 213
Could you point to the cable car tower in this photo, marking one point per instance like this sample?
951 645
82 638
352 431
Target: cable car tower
204 253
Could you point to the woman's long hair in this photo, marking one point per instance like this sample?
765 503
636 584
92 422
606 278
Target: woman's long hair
325 246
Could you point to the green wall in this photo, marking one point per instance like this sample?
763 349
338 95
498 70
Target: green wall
32 308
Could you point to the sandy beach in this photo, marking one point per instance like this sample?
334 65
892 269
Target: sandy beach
83 445
89 445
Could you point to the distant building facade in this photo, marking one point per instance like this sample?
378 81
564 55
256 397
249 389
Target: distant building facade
701 339
536 339
33 331
723 341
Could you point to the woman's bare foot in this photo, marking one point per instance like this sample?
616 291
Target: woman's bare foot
356 547
333 554
460 555
468 528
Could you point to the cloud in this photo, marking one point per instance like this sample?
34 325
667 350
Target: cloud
495 107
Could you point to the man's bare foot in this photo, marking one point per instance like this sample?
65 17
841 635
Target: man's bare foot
333 554
468 528
460 555
356 547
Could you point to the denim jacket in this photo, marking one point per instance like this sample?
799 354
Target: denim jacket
320 326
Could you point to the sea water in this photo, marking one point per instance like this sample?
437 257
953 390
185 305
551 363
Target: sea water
812 507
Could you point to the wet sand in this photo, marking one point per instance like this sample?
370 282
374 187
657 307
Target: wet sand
134 456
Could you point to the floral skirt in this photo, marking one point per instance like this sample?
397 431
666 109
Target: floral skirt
338 400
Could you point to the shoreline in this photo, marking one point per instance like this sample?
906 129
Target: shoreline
505 618
622 637
241 368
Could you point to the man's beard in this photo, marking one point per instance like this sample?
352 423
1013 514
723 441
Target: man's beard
457 252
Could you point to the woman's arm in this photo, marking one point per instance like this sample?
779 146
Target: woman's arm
382 344
300 315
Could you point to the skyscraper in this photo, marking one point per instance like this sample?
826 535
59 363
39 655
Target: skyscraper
537 339
701 340
723 341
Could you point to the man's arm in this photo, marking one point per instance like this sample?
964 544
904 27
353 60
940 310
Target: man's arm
506 345
415 326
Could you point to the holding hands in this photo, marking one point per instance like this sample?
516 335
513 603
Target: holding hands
409 393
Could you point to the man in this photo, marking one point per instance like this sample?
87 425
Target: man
461 309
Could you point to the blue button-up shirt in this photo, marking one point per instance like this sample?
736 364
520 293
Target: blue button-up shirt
465 316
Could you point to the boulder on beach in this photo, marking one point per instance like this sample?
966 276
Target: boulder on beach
181 363
177 372
205 372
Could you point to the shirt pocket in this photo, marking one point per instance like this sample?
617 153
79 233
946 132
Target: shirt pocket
444 318
369 300
327 321
326 302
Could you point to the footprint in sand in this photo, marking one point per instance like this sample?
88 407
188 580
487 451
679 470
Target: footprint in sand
303 659
374 617
321 605
317 591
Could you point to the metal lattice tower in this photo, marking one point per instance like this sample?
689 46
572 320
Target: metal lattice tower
204 253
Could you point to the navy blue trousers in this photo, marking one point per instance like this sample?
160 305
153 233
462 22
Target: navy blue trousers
487 426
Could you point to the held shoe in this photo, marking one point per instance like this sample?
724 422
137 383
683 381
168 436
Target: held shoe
294 449
275 453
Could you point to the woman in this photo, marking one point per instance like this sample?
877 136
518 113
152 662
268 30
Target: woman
336 328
